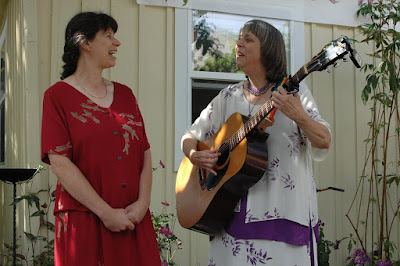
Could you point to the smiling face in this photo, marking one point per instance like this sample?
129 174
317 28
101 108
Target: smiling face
103 48
248 52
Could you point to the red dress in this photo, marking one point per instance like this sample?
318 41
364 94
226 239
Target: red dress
107 145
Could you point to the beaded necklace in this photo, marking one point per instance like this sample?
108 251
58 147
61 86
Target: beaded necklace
258 92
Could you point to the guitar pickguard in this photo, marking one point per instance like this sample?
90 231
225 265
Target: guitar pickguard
213 180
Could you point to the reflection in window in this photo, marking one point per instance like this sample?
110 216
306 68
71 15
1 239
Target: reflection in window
214 40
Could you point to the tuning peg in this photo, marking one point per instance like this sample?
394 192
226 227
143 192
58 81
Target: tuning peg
345 59
328 70
336 64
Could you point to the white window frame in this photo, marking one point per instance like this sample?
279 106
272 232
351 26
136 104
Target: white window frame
3 41
184 73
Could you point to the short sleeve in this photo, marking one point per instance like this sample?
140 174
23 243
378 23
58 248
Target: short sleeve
55 135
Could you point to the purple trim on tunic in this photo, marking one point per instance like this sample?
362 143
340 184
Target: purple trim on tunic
279 230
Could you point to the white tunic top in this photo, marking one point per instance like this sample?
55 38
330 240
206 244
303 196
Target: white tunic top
287 189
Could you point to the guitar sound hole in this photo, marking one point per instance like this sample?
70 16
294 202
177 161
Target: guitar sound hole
224 150
223 164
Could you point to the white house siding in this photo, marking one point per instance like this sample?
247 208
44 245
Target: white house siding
146 64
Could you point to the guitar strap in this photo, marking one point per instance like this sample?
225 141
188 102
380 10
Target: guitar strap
271 114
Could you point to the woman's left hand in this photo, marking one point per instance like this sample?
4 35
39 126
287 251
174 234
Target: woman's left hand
288 104
136 211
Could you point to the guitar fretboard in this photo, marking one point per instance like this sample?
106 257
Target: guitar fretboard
250 124
266 109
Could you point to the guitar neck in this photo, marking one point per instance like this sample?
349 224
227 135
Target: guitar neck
265 110
297 78
250 124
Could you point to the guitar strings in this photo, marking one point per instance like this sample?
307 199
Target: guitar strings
247 127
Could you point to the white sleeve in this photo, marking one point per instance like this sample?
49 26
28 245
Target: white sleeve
210 120
309 105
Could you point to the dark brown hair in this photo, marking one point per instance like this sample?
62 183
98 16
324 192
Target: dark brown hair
81 28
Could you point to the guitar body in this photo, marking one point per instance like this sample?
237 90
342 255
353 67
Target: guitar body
206 209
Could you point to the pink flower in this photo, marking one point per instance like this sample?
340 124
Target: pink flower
162 164
165 203
165 263
165 231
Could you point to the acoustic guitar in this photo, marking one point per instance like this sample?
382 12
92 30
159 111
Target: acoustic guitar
204 201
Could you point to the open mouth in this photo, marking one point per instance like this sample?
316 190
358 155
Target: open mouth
112 53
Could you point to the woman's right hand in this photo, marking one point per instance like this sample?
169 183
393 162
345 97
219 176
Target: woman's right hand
117 220
205 159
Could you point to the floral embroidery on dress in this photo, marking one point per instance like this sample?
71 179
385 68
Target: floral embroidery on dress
227 92
211 262
272 170
64 147
288 181
296 141
60 149
312 113
210 132
211 111
79 117
130 133
90 105
269 215
246 247
62 223
251 218
274 215
130 122
90 115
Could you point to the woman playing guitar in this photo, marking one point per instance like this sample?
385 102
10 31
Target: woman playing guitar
275 221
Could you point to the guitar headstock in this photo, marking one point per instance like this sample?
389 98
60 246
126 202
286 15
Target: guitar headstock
331 53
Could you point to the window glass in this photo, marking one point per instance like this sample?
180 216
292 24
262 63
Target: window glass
203 91
213 50
2 76
2 101
214 40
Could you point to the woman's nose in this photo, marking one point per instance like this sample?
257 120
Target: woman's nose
116 42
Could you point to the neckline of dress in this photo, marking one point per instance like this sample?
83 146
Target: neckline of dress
112 102
244 95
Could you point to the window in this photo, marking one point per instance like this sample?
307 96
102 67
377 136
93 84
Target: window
3 80
205 60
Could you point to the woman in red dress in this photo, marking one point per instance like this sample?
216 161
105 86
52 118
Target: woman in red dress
93 136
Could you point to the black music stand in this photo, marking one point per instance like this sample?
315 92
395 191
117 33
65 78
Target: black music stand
14 176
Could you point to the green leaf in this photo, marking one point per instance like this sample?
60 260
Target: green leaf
393 178
38 213
36 200
392 78
30 236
